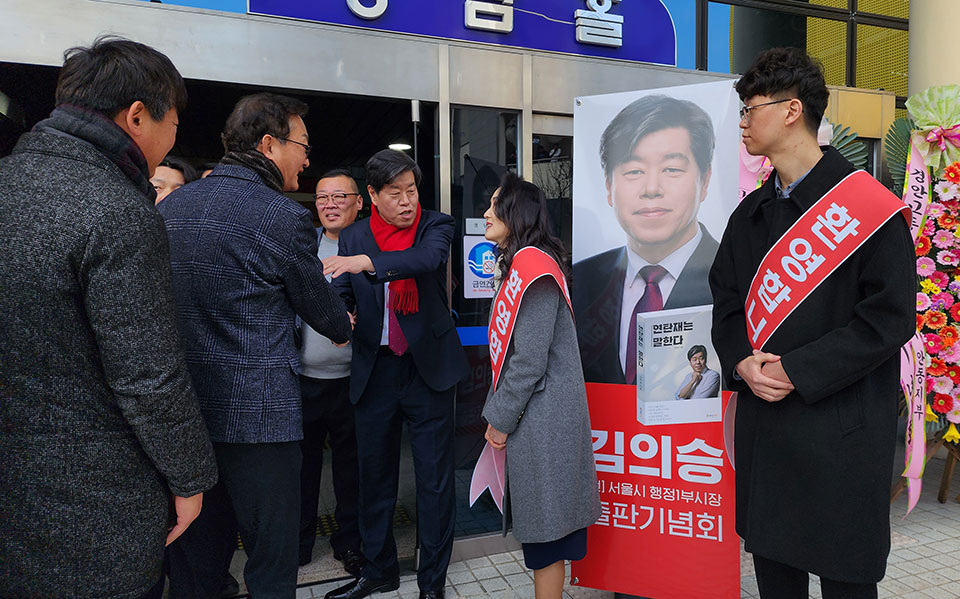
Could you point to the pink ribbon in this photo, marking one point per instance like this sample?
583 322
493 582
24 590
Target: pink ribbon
489 473
941 136
912 380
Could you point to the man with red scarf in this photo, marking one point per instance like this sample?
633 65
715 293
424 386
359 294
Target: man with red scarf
407 358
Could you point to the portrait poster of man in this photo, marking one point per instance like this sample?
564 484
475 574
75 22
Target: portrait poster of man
655 178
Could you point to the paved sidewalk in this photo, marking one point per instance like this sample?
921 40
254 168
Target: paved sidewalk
924 562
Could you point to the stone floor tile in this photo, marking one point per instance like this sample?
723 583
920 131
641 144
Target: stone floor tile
470 589
518 580
510 568
478 562
457 567
486 572
494 584
409 586
461 577
500 558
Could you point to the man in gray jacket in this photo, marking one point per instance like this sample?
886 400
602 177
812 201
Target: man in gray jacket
102 441
325 389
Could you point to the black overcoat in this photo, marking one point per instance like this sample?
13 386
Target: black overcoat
99 422
814 470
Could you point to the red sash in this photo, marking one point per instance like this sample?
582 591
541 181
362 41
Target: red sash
529 264
815 246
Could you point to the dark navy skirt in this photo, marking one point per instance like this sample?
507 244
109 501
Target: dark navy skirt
571 547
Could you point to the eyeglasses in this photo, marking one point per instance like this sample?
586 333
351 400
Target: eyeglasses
745 110
340 199
306 147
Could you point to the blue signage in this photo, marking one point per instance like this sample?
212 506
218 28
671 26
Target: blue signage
637 30
482 260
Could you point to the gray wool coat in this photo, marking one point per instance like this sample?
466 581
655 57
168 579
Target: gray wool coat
98 419
541 403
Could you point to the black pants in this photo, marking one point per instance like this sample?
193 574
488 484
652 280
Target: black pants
258 494
394 393
327 412
780 581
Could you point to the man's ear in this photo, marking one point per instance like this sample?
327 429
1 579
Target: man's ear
794 112
131 119
609 191
267 145
373 195
704 184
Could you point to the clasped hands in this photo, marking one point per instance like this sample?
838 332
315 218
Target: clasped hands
765 376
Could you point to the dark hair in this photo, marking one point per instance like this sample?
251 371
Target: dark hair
189 173
788 72
522 207
650 114
114 73
257 115
696 349
386 165
339 172
207 165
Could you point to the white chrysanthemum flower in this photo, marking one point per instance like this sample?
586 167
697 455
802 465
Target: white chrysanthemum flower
946 190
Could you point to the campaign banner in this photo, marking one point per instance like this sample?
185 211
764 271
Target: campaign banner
655 179
667 527
479 264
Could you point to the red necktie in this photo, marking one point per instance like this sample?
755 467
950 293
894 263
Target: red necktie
395 339
651 301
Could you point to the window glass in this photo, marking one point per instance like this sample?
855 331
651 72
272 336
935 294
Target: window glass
882 59
737 34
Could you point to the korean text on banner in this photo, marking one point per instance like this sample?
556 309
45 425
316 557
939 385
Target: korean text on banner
667 495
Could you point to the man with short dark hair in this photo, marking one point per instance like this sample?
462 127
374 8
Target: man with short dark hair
103 444
172 174
325 389
407 359
814 349
702 382
245 266
656 156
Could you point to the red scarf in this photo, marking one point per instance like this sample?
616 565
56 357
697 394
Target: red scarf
389 238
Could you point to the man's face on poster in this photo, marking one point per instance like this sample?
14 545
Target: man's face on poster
657 192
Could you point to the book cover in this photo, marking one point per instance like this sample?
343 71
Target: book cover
678 373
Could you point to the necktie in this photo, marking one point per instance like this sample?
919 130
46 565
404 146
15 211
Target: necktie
395 339
651 301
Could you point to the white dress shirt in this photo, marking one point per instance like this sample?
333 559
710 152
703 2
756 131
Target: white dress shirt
634 285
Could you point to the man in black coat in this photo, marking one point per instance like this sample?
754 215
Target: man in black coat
816 419
102 440
407 359
656 156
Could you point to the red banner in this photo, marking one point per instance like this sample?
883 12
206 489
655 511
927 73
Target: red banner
815 246
529 264
667 493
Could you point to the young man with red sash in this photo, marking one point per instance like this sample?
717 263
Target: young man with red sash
814 292
407 358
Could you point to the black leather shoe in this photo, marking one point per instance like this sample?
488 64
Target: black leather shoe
431 594
362 587
353 561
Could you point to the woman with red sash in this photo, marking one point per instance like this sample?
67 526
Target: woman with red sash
537 404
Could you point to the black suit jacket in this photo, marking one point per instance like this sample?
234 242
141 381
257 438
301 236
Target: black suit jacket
431 333
597 289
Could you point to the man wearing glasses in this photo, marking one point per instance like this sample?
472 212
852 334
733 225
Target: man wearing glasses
816 416
245 267
325 390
